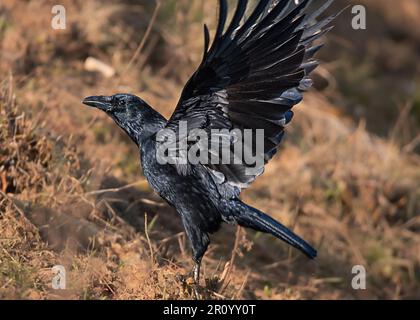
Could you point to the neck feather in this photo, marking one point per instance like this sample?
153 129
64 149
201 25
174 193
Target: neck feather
142 124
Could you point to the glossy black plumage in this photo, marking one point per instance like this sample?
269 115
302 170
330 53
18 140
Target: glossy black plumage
250 77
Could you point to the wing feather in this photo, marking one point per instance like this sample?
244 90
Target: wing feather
250 78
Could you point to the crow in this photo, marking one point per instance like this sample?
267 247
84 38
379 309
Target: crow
250 77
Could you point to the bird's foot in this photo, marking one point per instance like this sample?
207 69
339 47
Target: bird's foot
190 285
195 291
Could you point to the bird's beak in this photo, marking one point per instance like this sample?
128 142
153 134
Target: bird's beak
100 102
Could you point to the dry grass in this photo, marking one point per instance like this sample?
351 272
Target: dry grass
71 192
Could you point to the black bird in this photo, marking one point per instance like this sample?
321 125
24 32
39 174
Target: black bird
250 77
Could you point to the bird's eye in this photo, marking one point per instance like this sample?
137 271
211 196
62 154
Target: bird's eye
118 103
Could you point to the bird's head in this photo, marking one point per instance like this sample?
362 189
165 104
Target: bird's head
119 106
129 112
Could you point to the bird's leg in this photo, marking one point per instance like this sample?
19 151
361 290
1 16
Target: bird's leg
192 279
196 272
196 275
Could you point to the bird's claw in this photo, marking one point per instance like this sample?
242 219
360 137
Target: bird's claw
190 285
195 292
191 282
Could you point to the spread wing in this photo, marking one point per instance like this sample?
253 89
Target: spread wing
250 78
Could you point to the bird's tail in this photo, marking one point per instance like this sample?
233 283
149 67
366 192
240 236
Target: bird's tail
250 217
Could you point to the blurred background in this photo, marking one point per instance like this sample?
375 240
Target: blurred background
72 194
